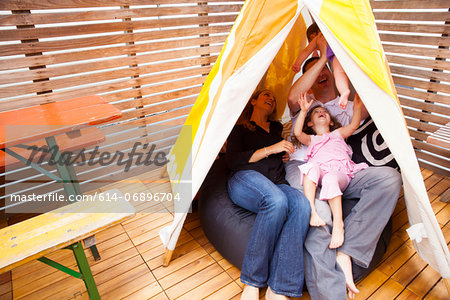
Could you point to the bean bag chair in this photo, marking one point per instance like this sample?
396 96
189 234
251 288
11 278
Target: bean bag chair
228 226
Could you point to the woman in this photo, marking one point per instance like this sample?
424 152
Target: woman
255 153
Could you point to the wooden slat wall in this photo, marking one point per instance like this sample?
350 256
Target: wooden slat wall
415 37
148 58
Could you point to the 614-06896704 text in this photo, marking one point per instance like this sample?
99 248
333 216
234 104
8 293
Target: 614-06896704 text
106 197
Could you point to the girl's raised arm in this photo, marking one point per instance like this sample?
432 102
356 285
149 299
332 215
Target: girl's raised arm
305 101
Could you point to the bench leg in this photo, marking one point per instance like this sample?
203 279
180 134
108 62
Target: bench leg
85 270
92 244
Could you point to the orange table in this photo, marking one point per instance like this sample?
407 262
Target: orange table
34 123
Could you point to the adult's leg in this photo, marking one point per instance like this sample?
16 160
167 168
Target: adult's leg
377 189
253 191
287 264
324 278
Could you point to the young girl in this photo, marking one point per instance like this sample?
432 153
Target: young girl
313 34
328 160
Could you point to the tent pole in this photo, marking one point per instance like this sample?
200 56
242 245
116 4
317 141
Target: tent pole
167 257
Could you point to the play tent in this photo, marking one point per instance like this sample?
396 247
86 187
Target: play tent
264 41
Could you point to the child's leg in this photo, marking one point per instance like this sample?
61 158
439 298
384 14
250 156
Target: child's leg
309 188
345 263
342 83
337 234
333 184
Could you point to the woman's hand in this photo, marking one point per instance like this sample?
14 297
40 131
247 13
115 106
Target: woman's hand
305 101
282 146
285 157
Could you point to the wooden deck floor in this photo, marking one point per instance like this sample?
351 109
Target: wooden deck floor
132 256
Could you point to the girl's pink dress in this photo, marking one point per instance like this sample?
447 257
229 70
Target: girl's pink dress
329 164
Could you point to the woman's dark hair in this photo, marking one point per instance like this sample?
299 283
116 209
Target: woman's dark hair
309 130
244 118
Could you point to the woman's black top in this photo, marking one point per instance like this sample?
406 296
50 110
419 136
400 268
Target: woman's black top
242 143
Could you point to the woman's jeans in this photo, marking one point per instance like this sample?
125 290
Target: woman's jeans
274 254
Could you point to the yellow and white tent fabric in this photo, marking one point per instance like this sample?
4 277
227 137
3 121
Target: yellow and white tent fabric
264 41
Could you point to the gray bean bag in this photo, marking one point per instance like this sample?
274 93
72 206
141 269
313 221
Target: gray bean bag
228 226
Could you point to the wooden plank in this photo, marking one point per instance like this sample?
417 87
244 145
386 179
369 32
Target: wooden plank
433 97
20 19
424 116
76 56
431 86
419 73
427 106
74 30
407 295
419 28
438 292
227 292
127 283
415 39
89 79
417 16
186 272
389 290
369 284
409 270
195 280
417 62
417 4
414 50
443 163
149 291
48 4
68 44
424 281
37 74
107 87
208 287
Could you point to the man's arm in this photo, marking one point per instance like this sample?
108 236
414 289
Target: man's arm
305 82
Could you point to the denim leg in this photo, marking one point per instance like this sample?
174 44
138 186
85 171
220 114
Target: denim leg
377 189
287 265
253 191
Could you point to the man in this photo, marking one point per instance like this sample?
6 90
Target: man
328 271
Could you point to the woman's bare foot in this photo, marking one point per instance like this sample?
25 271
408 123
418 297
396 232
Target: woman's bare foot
337 235
250 293
345 263
316 220
270 295
343 99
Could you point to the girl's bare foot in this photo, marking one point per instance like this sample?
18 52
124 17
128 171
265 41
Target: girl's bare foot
270 295
345 263
337 235
316 220
250 293
343 99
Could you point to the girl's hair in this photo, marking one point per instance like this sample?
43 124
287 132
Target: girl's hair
244 118
312 29
309 130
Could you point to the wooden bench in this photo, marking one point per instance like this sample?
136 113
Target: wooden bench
64 228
